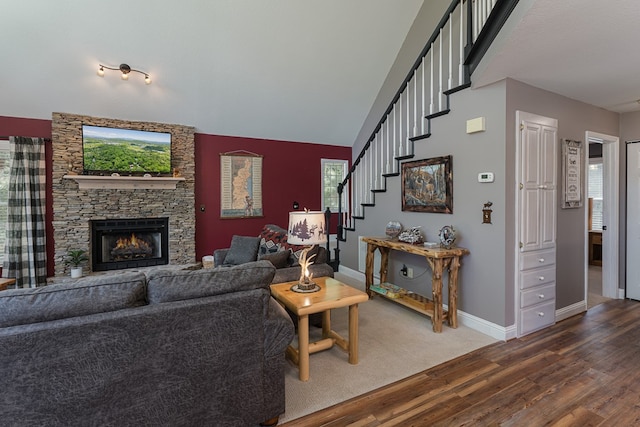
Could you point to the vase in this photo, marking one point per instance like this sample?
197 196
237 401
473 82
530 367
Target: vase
76 272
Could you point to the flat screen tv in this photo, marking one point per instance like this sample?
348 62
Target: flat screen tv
125 151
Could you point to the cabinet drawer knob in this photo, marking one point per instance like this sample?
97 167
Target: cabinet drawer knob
541 314
541 278
541 296
540 259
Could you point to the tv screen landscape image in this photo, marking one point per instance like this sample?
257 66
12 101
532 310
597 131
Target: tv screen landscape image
125 151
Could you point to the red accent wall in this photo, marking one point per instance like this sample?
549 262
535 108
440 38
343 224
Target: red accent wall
17 126
291 171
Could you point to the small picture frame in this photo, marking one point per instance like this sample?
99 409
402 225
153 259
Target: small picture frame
572 161
427 185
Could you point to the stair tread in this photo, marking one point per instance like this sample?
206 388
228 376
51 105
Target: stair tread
419 137
438 114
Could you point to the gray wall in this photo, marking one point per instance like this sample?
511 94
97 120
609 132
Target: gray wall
426 20
574 119
482 277
486 279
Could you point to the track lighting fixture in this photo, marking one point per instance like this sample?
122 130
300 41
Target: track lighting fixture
124 70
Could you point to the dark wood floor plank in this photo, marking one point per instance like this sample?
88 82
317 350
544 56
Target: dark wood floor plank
583 371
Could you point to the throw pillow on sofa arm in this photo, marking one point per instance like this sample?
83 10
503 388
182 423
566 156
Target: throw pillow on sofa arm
243 249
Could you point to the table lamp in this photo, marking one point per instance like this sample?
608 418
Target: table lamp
306 228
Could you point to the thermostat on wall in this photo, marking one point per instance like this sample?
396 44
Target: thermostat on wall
485 177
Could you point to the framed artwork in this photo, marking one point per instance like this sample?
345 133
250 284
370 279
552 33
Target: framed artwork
572 160
427 185
240 185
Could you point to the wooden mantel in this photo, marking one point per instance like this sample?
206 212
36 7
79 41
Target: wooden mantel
88 182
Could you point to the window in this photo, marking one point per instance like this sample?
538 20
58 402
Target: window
5 164
595 192
333 173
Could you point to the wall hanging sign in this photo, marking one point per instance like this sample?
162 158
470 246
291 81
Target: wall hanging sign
427 185
572 152
240 185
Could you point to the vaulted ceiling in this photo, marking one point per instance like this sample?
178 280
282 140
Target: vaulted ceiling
583 49
294 70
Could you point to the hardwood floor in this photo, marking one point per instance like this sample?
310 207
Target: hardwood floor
583 371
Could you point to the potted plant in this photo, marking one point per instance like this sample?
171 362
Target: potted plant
75 257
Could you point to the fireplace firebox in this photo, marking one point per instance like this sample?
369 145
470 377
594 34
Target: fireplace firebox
129 243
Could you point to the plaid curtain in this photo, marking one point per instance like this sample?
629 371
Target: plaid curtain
25 249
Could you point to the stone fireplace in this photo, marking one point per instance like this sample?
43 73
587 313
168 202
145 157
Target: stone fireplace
76 209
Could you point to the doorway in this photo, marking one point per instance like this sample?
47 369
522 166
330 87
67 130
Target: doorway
604 237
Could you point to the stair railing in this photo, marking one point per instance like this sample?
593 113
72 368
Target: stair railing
466 30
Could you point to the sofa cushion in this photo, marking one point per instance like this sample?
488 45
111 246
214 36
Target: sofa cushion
278 259
89 295
243 249
175 285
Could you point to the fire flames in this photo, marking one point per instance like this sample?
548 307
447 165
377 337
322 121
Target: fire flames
131 243
133 247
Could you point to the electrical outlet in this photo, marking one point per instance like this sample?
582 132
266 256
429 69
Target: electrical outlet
404 271
409 273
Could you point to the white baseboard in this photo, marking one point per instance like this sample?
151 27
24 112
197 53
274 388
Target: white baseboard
351 273
483 326
571 310
621 293
503 333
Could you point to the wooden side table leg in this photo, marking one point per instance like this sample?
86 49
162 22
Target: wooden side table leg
353 334
303 347
368 272
453 292
326 323
436 283
384 264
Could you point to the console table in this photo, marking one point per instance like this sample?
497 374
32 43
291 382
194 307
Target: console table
438 260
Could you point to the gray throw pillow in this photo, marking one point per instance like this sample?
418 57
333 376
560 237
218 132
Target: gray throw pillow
243 249
279 259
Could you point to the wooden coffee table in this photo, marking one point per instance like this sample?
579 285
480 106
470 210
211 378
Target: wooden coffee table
332 294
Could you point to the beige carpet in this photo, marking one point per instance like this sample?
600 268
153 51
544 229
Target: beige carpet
395 342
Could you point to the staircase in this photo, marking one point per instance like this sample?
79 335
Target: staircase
444 67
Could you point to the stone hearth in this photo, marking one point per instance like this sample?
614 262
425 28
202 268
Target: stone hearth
73 208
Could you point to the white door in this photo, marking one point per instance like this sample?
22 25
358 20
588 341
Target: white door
610 240
536 151
633 220
538 171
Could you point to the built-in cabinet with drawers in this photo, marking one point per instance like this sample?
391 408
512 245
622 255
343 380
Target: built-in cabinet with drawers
537 191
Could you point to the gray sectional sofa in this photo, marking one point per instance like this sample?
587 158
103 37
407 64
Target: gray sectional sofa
169 348
271 245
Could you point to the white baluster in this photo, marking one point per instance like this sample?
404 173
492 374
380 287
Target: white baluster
408 132
415 100
423 90
450 81
461 59
431 84
440 72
